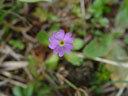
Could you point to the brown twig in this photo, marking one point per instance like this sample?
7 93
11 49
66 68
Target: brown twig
14 82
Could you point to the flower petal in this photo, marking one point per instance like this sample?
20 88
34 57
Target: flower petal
68 46
68 38
53 40
67 50
55 50
53 43
59 50
52 46
59 35
68 35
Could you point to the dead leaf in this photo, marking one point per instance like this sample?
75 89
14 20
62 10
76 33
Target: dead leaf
13 65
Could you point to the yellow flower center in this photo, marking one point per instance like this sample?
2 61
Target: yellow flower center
61 43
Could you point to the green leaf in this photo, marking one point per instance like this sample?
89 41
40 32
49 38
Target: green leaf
52 17
119 55
32 66
122 16
102 75
74 59
17 44
76 10
29 90
42 36
98 48
97 8
11 9
34 1
17 91
97 89
81 32
78 44
41 14
52 62
126 39
117 33
54 27
104 22
96 32
45 91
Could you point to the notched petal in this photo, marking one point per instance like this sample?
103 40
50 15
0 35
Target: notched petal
67 51
59 35
59 50
51 39
69 46
52 46
68 35
61 53
68 38
55 51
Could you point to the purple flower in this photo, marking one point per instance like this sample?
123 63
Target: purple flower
61 43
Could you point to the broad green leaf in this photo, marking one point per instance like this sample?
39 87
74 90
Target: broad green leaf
52 17
117 33
81 32
17 44
32 66
45 91
74 59
34 1
54 27
96 32
78 44
52 62
98 48
41 14
122 16
42 36
29 90
44 15
76 10
118 54
104 22
126 39
98 8
102 74
17 91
